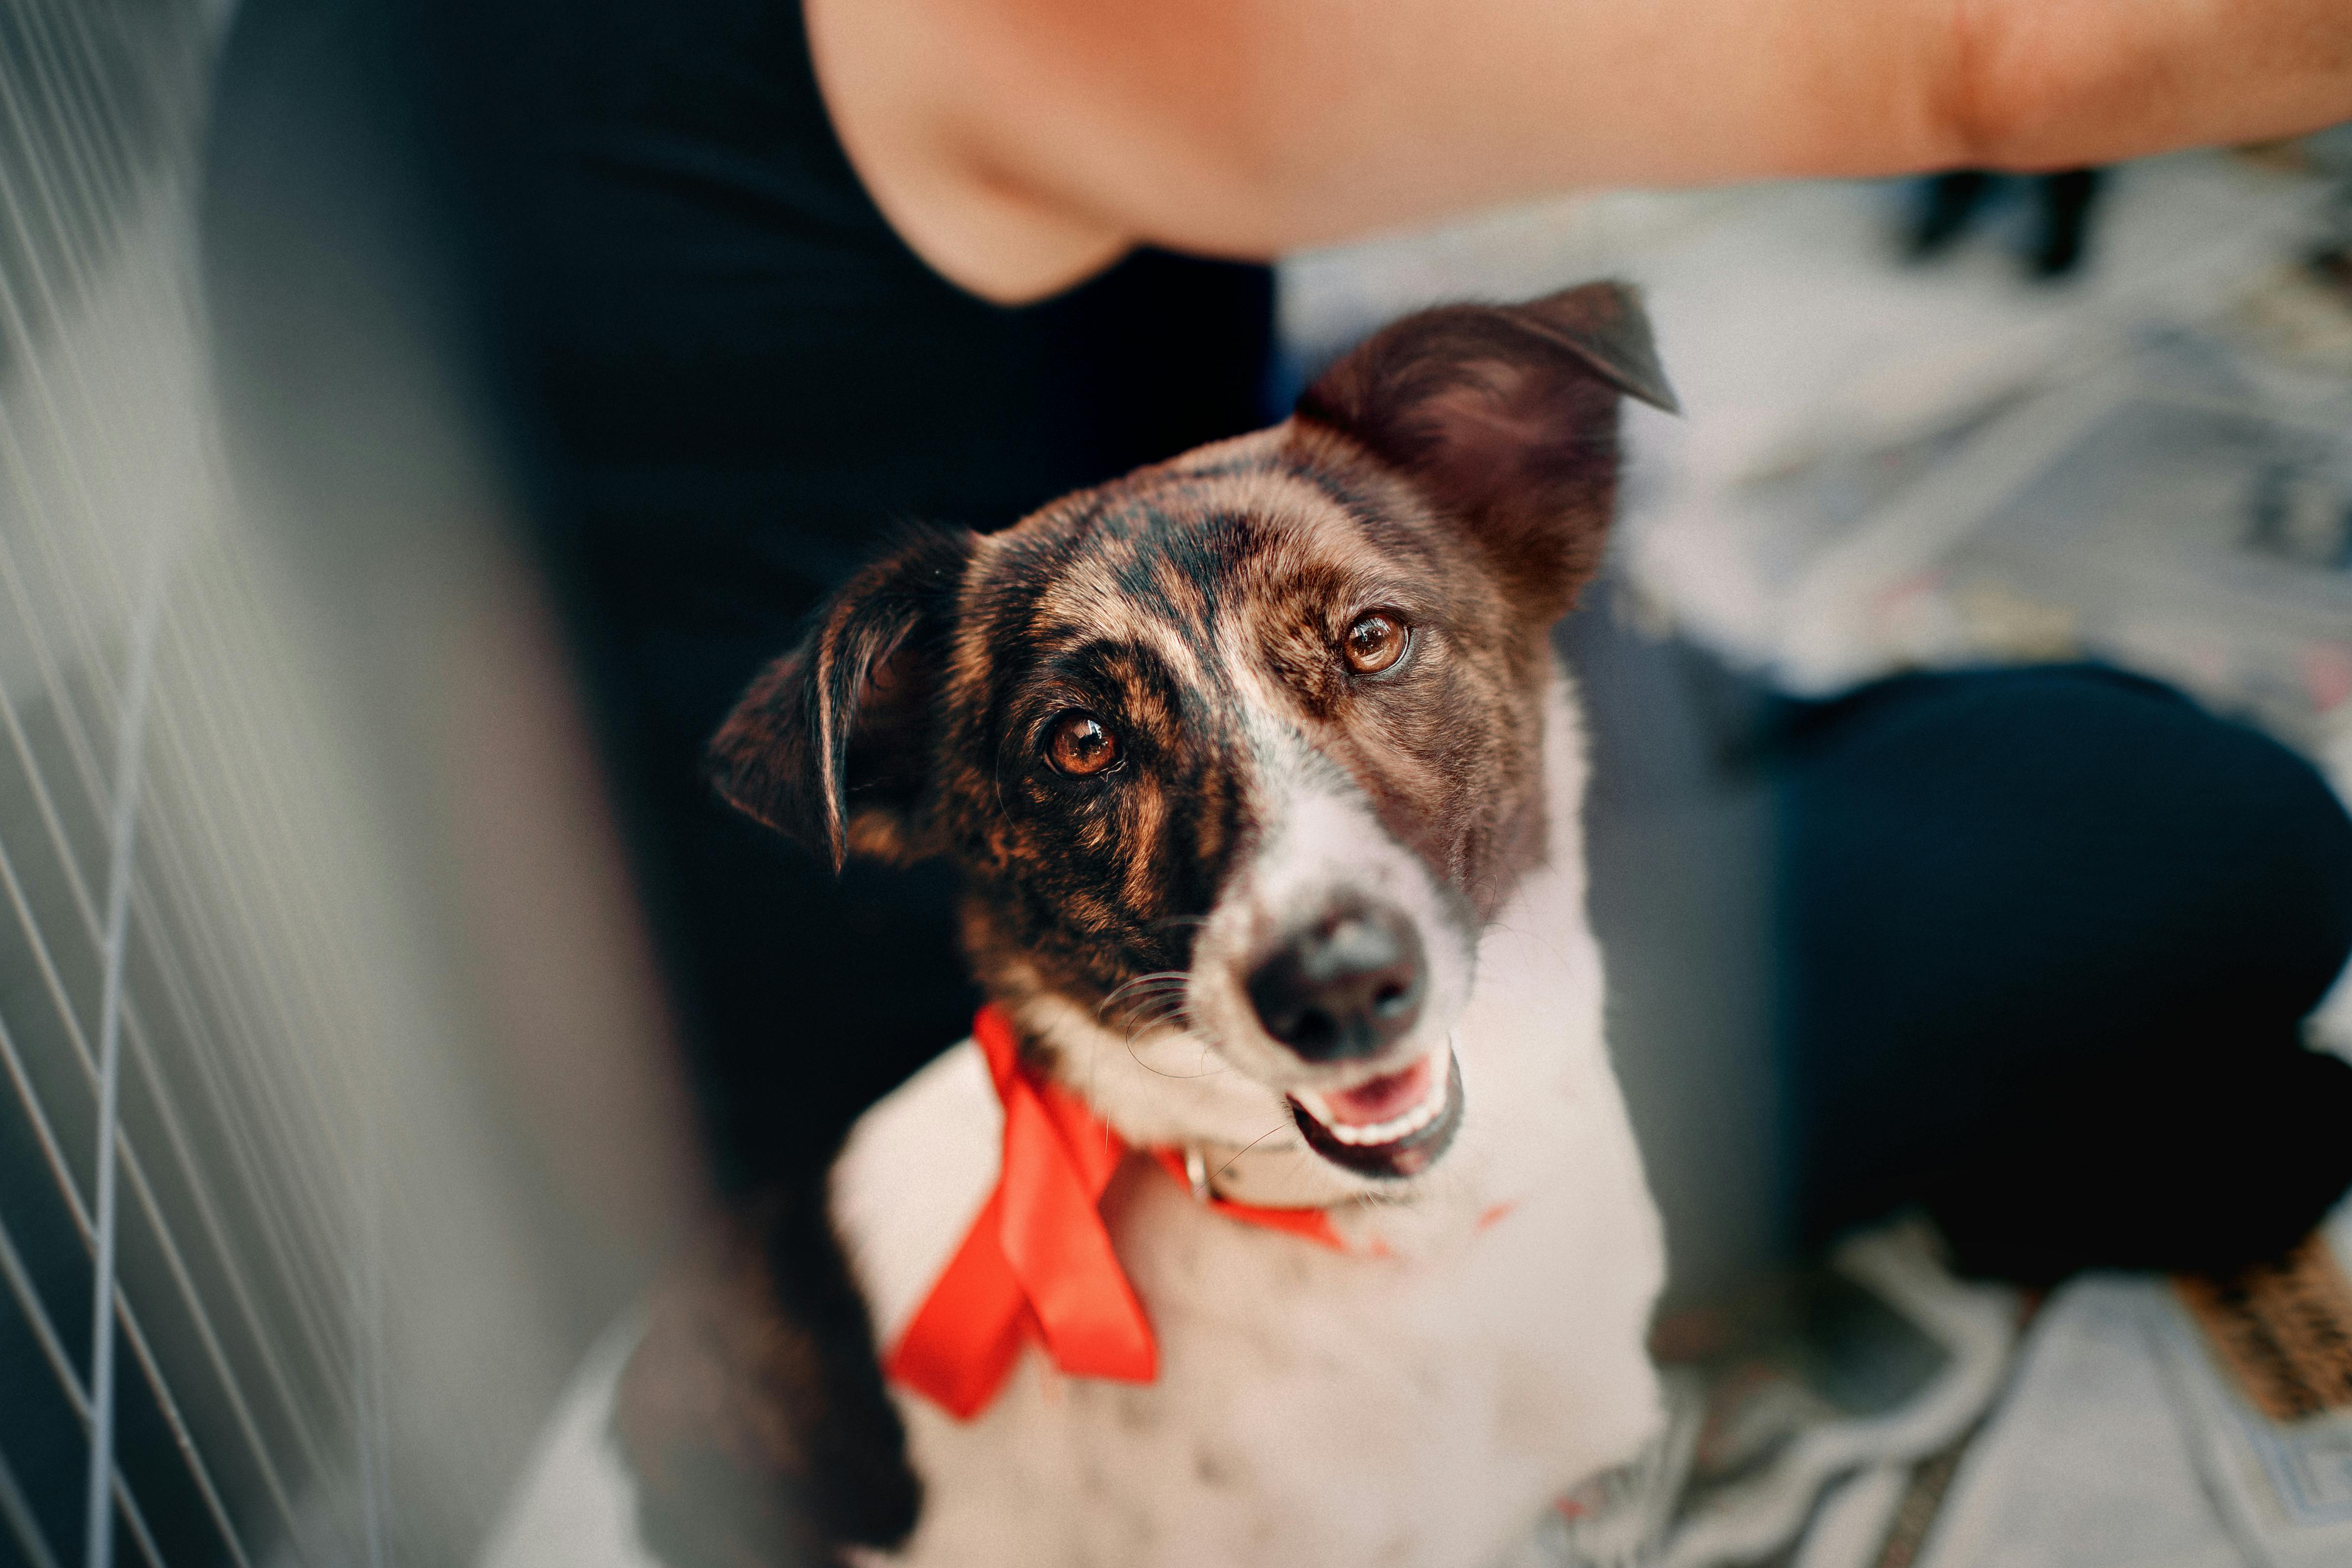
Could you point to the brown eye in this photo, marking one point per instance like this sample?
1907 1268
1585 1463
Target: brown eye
1374 643
1077 744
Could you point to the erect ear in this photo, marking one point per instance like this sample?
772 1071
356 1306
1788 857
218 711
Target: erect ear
829 744
1504 418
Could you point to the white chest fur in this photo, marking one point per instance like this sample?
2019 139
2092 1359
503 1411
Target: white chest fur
1312 1407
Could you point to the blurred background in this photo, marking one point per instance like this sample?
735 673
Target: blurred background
263 1095
339 1080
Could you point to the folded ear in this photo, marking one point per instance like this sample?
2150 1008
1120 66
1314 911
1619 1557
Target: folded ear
1504 418
830 743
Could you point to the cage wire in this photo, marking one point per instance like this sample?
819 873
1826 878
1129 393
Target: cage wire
270 1288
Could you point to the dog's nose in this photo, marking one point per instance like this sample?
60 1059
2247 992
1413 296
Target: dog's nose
1343 986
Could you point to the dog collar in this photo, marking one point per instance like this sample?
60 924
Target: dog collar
1037 1264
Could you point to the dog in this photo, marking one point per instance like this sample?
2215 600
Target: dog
1262 783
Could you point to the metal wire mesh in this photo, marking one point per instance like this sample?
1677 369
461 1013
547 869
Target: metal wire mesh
267 1294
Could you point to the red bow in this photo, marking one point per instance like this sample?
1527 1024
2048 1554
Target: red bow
1037 1263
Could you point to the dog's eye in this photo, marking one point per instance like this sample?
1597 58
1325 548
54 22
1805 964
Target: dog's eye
1374 643
1079 745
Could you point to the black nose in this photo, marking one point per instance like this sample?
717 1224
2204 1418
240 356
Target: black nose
1341 987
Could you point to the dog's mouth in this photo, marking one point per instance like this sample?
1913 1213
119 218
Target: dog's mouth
1394 1125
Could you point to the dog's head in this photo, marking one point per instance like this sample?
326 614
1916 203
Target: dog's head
1237 755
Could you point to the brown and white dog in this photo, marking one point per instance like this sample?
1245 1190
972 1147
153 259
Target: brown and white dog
1264 785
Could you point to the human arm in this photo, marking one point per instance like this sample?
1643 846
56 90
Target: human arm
1021 144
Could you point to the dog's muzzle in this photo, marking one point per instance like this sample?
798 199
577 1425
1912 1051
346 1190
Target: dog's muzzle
1347 987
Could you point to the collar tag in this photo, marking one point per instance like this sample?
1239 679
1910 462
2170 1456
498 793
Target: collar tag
1196 1174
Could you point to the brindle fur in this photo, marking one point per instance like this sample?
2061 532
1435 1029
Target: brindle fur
1457 470
752 1413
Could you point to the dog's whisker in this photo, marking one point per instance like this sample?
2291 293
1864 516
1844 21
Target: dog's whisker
1152 977
1171 1011
1147 1002
1150 1004
1144 1021
1161 997
1144 1025
1146 1066
1157 981
1163 1072
1248 1146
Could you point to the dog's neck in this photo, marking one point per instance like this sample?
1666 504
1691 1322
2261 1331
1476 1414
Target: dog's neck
1163 1088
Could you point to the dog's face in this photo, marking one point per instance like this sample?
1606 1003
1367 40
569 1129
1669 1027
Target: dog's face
1238 755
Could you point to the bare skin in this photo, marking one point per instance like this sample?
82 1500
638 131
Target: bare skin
1022 145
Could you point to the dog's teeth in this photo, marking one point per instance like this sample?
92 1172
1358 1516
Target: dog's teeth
1433 1105
1389 1132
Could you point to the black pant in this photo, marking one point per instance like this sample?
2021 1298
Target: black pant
2046 939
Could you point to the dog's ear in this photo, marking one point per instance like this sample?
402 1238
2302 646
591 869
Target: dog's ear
1505 417
829 744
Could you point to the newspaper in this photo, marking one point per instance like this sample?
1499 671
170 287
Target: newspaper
2169 513
2182 1424
2157 475
1895 1420
2262 1369
1881 1364
2086 1461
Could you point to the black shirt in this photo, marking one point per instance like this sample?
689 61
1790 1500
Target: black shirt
727 379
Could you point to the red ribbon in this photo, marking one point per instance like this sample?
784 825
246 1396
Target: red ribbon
1037 1263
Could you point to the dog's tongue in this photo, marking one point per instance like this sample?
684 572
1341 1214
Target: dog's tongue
1382 1098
